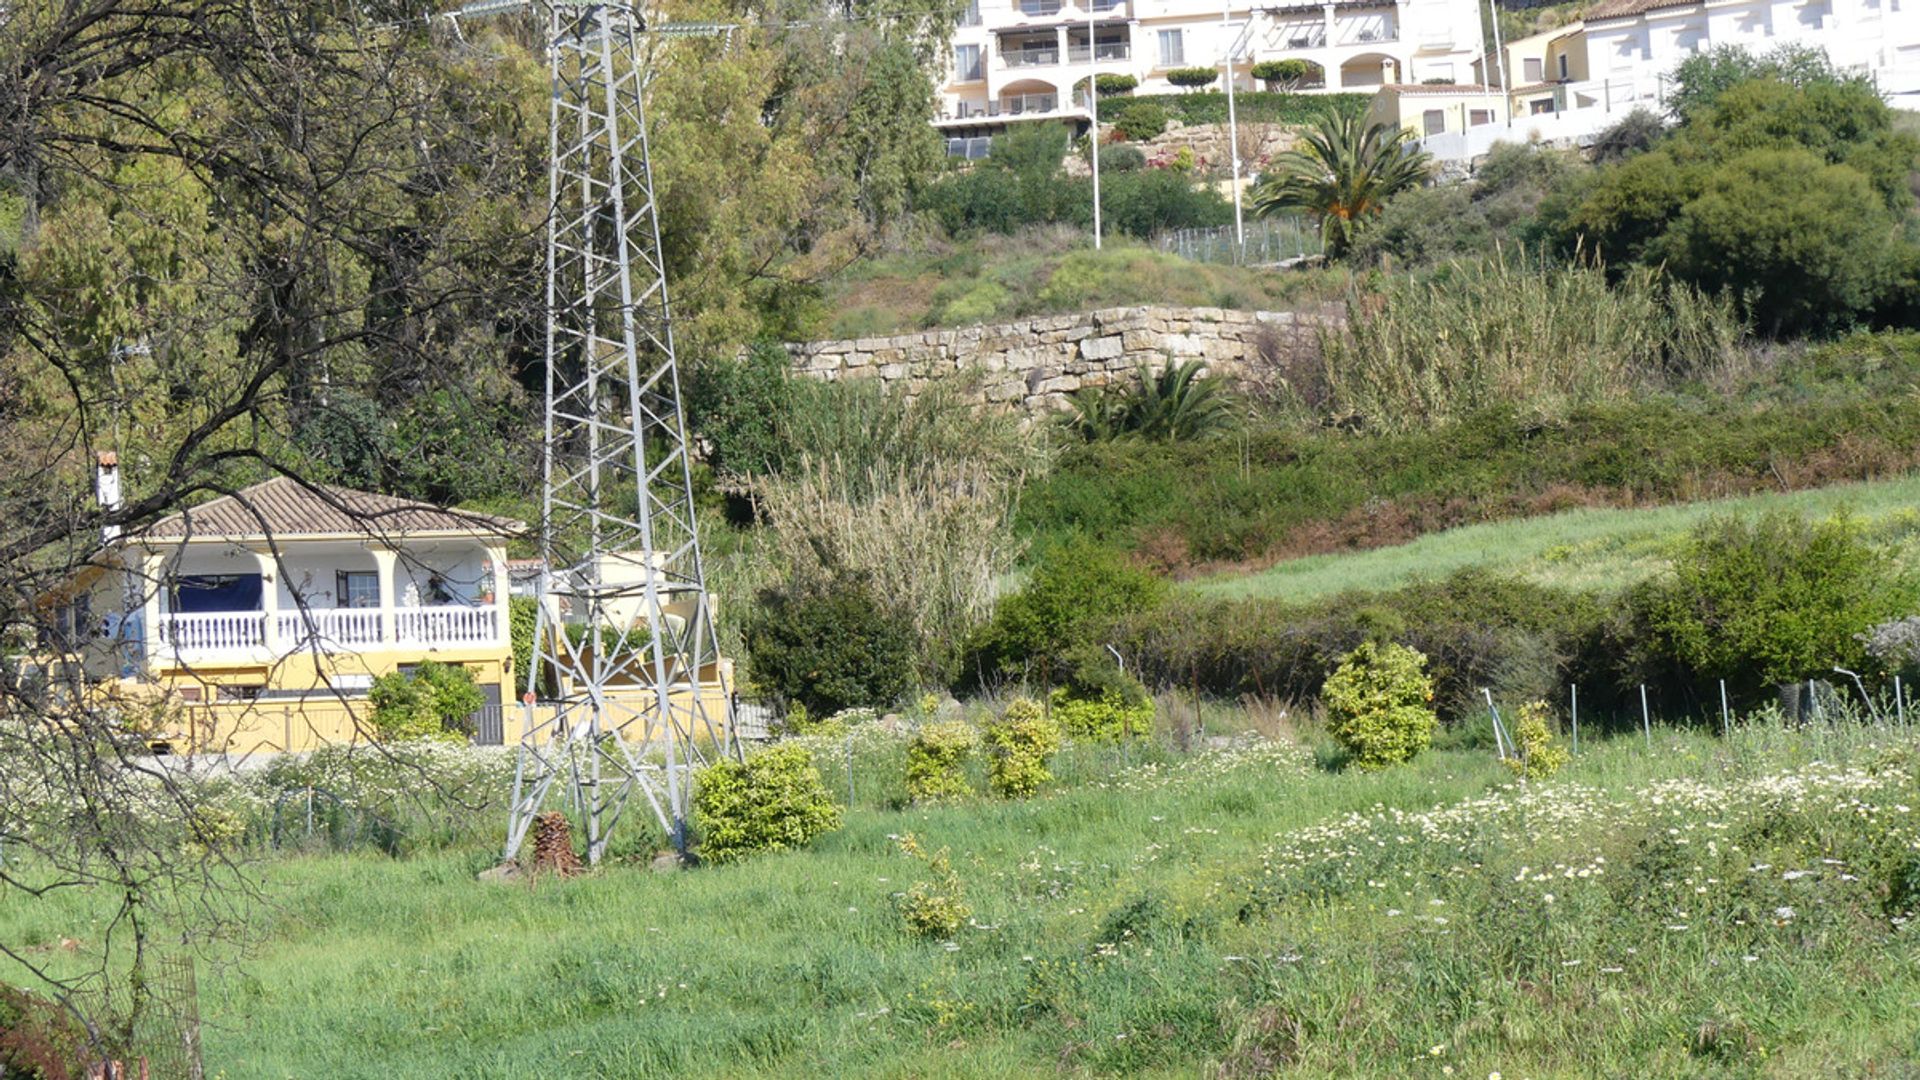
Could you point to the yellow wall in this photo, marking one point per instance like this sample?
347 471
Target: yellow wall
1408 110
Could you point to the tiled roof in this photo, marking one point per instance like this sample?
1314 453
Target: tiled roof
285 507
1620 9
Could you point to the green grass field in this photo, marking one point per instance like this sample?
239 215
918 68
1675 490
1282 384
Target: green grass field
1595 549
1695 908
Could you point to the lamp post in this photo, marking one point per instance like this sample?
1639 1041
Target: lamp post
1093 118
1233 121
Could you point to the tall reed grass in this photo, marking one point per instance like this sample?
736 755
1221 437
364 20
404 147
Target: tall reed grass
1522 333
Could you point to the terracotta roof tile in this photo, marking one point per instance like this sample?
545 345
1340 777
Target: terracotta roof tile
284 507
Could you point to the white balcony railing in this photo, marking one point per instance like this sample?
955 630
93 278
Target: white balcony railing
213 631
1039 7
330 628
333 630
1030 57
1118 50
446 626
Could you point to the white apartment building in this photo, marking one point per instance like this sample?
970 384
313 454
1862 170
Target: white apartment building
1020 59
1571 83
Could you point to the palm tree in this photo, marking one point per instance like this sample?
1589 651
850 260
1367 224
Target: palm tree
1343 172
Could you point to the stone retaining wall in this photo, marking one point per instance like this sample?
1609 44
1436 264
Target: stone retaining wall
1035 363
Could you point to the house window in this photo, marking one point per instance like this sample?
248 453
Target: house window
1435 121
215 592
1173 50
966 63
970 15
1563 67
1478 117
1532 70
357 588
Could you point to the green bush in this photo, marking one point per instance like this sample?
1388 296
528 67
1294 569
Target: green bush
937 761
1109 714
1765 602
1051 627
434 701
1139 121
937 908
1193 78
830 647
1379 704
1808 245
1019 746
1111 84
1252 108
1121 158
1279 75
1537 755
773 801
1179 401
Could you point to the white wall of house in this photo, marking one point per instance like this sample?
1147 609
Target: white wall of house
1629 60
1022 57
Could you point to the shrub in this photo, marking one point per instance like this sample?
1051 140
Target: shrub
773 801
1149 201
1139 121
830 646
1121 158
1180 401
1765 602
1700 79
1075 594
937 761
1282 75
1110 84
1537 755
1807 245
432 702
1019 745
1193 78
39 1040
1632 134
1380 704
937 908
1109 714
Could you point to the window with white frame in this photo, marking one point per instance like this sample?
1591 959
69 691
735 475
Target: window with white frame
356 588
966 63
970 15
1173 49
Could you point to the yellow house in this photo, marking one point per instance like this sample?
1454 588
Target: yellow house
1425 110
265 615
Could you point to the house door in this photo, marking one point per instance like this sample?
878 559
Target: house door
490 720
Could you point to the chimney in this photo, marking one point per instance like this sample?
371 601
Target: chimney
106 491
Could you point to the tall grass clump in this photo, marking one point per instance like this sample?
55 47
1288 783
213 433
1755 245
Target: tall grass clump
1519 333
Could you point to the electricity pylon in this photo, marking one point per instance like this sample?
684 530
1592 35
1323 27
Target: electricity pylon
625 654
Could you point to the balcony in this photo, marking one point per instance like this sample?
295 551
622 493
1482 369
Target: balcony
1030 57
1117 50
1039 8
210 634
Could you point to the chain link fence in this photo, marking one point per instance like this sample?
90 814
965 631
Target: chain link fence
1269 242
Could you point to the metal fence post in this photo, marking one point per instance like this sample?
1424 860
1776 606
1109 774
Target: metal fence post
1576 717
1646 718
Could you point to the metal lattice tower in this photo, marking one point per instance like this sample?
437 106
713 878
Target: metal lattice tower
625 655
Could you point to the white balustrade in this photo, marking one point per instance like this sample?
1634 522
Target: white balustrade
330 629
446 625
213 631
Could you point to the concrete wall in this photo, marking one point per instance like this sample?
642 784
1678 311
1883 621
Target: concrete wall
1035 363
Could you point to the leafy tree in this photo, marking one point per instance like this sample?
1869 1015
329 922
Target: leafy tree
1700 79
1625 210
1343 174
1809 245
1843 122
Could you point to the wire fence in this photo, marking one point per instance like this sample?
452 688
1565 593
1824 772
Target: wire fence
150 1027
1269 242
